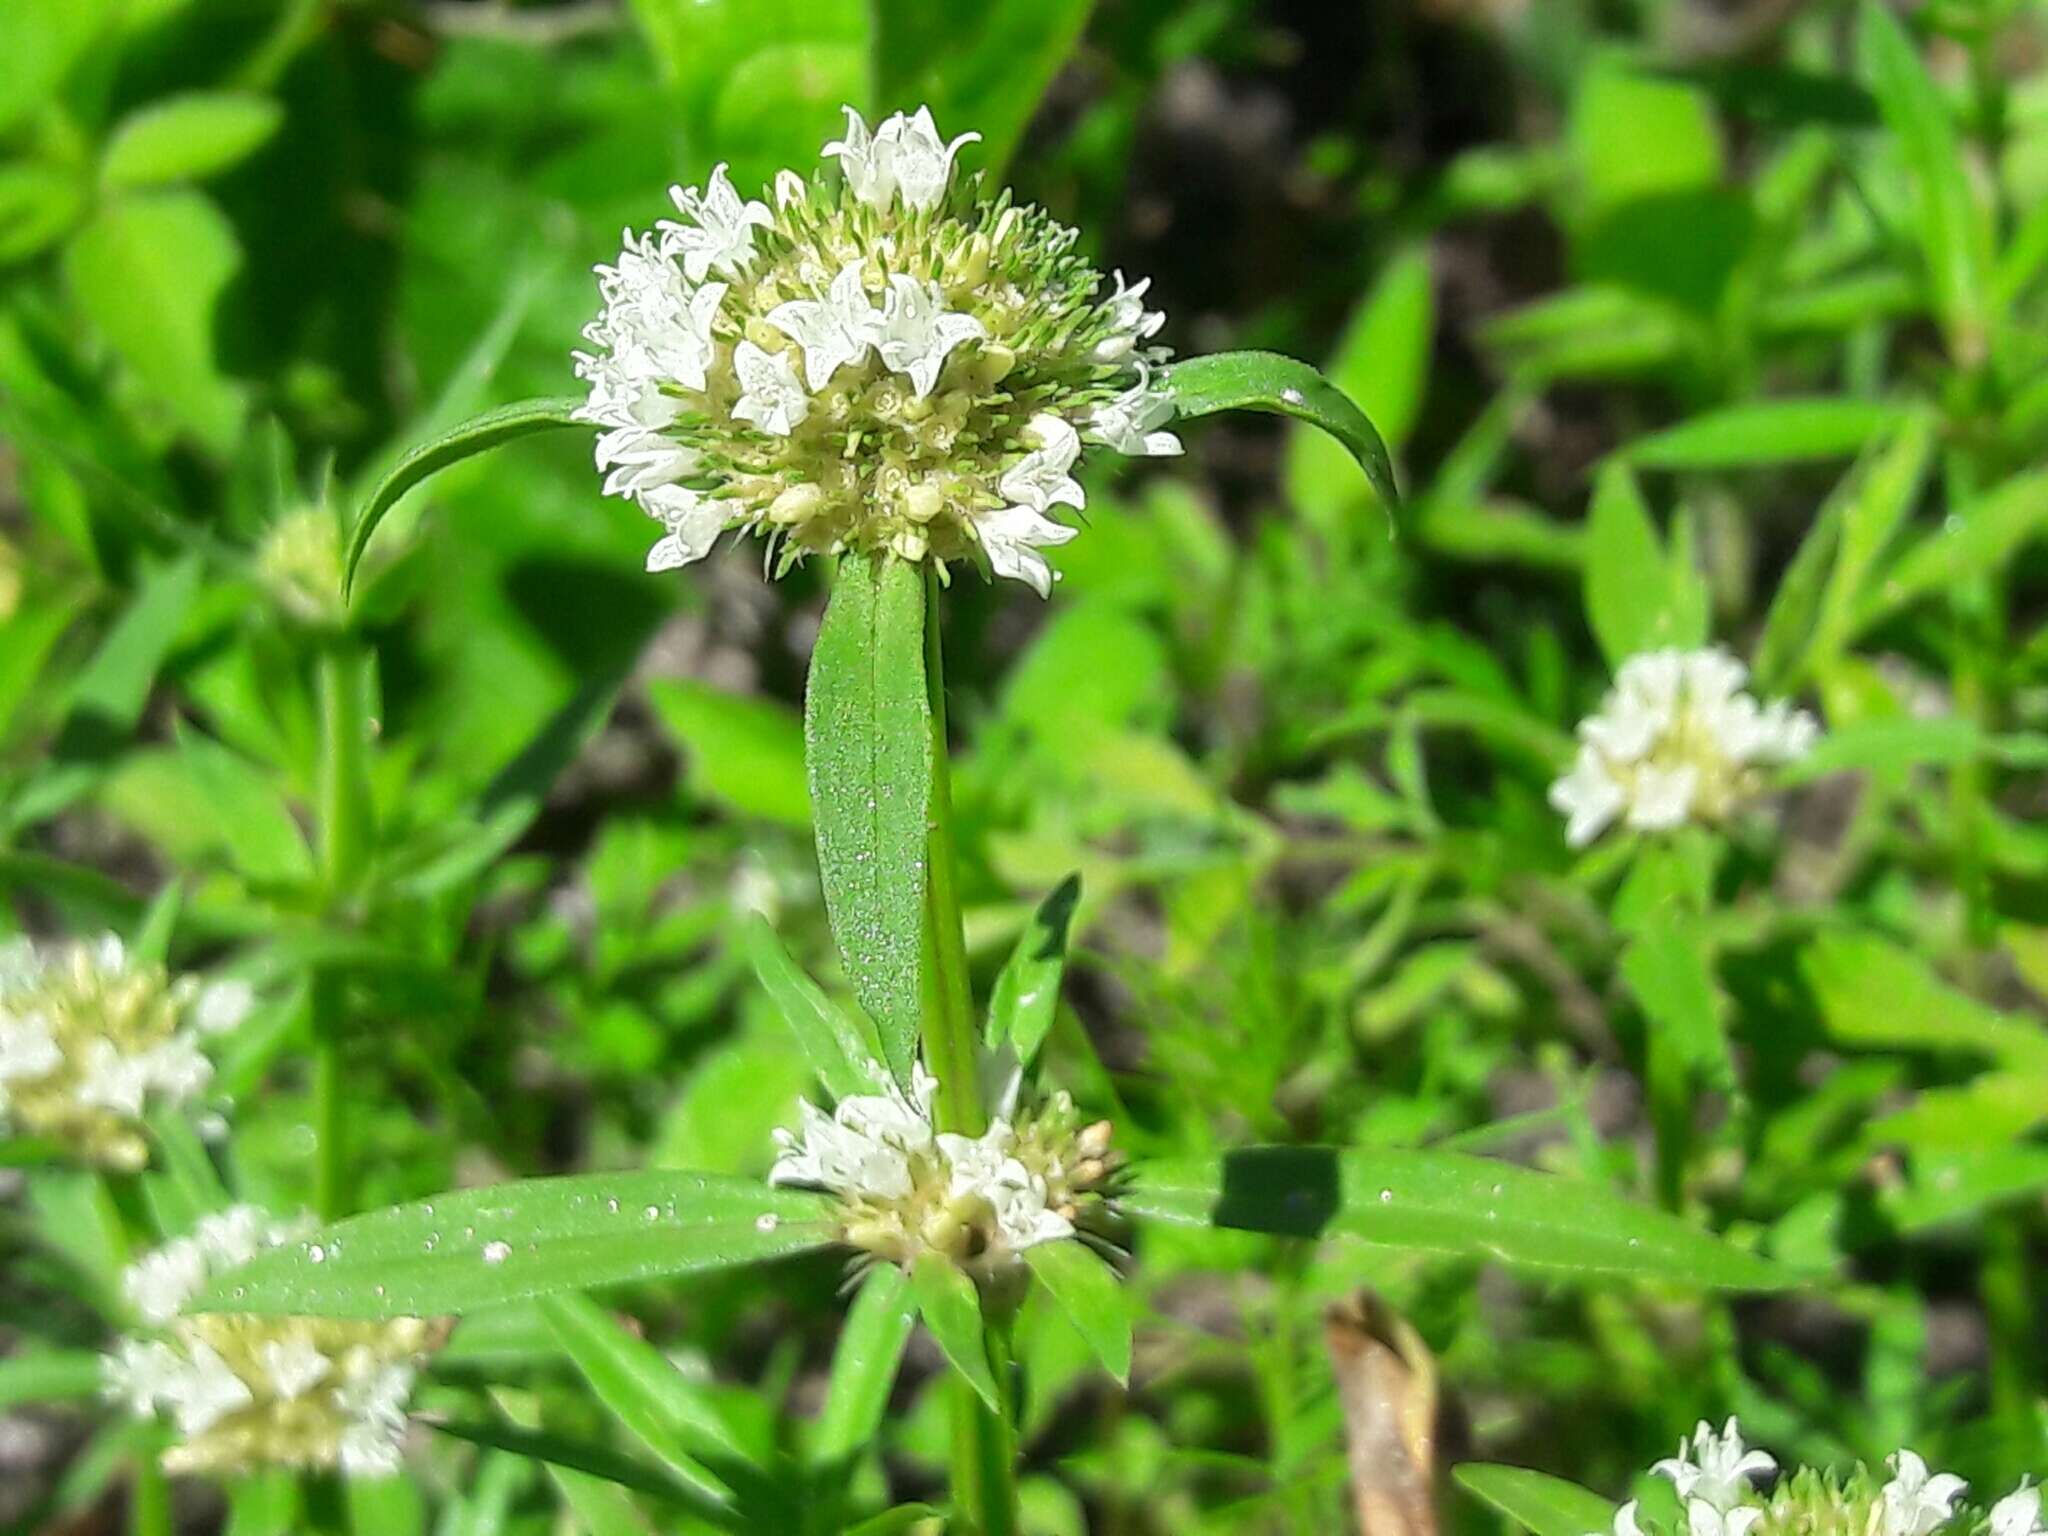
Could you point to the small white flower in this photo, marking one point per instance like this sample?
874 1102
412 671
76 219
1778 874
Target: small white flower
2018 1513
205 1392
1043 477
28 1049
113 1081
222 1006
295 1365
904 155
1705 1519
722 236
1714 1468
374 1401
1675 740
693 523
790 189
1914 1502
984 1167
865 1148
1131 422
833 331
1012 537
916 331
771 397
1130 321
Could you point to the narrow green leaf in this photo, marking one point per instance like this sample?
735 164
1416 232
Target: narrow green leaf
476 1248
898 1521
1872 992
951 1309
185 138
1381 362
599 1461
1976 538
108 697
51 1376
505 424
152 940
1266 381
1624 562
841 1045
147 269
1666 967
868 741
670 1415
1548 1506
1091 1295
1768 432
1027 991
1442 1202
1955 231
870 1348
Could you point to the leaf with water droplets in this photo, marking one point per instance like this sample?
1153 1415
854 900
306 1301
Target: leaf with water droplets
1448 1203
481 1247
868 752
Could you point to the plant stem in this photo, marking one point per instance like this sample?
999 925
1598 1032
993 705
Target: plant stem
985 1449
331 1193
149 1499
949 1033
344 812
984 1441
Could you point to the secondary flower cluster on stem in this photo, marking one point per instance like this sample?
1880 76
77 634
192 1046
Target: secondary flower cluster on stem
1676 740
885 359
248 1392
91 1036
906 1188
1714 1475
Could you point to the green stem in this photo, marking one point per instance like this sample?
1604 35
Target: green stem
950 1044
345 813
149 1499
326 1504
331 1193
985 1450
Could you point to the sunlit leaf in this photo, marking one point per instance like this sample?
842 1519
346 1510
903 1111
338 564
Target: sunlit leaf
1546 1505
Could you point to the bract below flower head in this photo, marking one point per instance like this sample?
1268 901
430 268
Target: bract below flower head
906 1188
1676 740
251 1392
877 357
91 1037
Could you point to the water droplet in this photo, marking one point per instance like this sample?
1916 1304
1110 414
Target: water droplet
1635 1242
1496 1189
240 1291
1292 395
497 1253
377 1290
652 1213
316 1254
433 1241
612 1206
767 1221
468 1232
1386 1197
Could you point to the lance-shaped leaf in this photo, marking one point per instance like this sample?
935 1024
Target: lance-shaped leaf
1284 386
1027 992
841 1045
868 753
503 425
480 1247
1443 1202
1091 1295
864 1364
952 1311
1548 1506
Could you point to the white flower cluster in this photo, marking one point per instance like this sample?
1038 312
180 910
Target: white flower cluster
1676 740
1713 1472
249 1392
906 1187
89 1036
883 361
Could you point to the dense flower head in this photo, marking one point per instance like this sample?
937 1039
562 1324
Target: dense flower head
250 1392
1718 1482
906 1188
1676 740
878 357
90 1037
